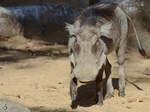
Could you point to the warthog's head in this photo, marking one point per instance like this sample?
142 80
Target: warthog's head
87 47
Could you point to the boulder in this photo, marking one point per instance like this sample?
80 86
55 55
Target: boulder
10 106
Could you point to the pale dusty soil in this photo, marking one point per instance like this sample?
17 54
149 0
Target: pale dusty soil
42 83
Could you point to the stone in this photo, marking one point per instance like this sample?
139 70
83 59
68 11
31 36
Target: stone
10 106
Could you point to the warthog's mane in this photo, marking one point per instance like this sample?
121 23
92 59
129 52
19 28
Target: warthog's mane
99 10
95 16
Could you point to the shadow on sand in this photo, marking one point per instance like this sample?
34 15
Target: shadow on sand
14 55
42 109
87 93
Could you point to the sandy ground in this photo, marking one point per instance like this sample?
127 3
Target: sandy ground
41 82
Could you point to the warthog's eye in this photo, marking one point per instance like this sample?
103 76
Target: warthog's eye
76 48
96 48
74 36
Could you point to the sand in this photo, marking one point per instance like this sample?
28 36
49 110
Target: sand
41 83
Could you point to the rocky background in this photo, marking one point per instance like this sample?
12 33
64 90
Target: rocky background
44 20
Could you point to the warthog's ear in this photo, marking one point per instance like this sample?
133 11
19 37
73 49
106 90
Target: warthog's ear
73 28
68 27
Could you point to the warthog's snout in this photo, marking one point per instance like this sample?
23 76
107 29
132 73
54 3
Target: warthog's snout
85 73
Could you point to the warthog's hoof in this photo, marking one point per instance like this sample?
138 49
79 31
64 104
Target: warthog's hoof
109 95
100 103
122 93
74 105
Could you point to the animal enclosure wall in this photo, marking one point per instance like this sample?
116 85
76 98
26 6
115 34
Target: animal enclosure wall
45 19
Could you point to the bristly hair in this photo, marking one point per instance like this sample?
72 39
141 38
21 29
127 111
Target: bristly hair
92 14
101 10
73 28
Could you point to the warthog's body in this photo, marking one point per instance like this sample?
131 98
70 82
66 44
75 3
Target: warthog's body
96 32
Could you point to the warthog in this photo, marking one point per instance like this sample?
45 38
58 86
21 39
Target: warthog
95 33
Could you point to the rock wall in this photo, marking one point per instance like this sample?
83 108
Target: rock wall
72 3
40 19
28 2
44 22
45 19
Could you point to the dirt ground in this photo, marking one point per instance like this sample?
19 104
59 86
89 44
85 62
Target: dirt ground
39 79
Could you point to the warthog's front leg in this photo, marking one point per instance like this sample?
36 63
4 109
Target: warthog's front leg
121 70
99 86
73 88
109 87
